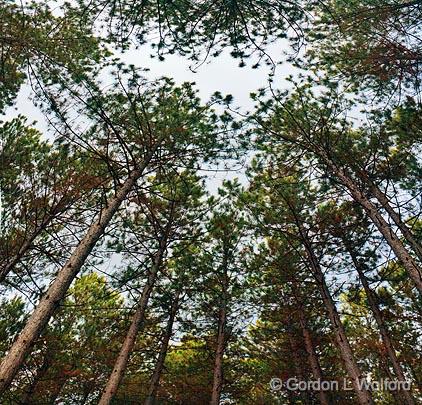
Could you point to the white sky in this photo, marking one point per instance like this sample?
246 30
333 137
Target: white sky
221 73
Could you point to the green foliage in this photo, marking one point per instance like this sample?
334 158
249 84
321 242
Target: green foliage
12 317
374 45
203 28
237 264
36 44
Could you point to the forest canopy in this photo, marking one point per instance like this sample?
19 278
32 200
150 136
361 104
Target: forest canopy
130 273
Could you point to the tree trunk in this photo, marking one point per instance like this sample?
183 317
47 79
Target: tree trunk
384 366
363 395
217 385
8 266
60 383
407 234
218 364
136 325
28 396
373 303
312 356
298 366
155 379
57 290
384 228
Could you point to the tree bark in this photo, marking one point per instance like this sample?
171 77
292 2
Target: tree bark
57 290
384 228
217 384
407 234
159 365
363 395
218 363
384 366
373 303
136 325
312 356
298 366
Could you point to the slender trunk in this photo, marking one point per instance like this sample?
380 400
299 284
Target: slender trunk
297 363
57 389
384 366
136 325
218 364
217 385
33 394
159 365
309 345
373 303
88 388
57 290
384 228
363 395
9 265
28 396
416 377
312 356
406 232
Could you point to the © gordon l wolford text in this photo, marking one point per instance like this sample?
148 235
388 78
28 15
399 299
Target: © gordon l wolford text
345 384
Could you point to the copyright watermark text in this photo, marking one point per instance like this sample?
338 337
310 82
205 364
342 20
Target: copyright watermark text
294 384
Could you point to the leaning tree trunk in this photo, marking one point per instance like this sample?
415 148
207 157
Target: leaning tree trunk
312 356
363 395
8 266
406 232
298 368
384 366
384 228
57 290
159 365
372 300
136 325
218 363
31 389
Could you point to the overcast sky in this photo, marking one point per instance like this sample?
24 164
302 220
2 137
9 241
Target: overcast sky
221 73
